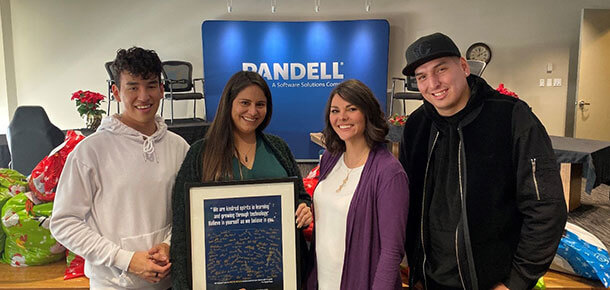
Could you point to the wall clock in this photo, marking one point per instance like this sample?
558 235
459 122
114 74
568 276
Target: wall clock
479 51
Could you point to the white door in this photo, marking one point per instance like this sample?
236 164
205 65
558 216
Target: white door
593 95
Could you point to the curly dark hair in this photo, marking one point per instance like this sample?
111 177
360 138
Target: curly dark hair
137 61
358 94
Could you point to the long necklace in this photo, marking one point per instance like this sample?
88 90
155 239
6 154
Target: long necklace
349 171
239 164
241 175
245 154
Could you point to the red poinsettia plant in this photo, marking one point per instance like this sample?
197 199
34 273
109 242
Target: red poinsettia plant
506 91
88 102
397 120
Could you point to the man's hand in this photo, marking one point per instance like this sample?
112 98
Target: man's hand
418 286
304 216
159 254
500 286
146 268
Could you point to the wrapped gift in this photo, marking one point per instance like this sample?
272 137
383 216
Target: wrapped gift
28 238
581 253
310 182
75 266
11 184
45 175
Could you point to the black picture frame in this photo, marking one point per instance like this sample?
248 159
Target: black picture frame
232 194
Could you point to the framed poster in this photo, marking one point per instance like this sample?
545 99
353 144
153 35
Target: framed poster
242 234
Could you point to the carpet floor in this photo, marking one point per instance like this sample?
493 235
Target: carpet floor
593 214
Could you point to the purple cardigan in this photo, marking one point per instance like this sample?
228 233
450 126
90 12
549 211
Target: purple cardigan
376 223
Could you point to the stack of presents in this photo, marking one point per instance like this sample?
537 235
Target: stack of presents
26 205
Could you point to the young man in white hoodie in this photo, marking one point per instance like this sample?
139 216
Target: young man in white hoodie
113 201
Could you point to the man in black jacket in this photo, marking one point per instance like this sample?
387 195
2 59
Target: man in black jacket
487 207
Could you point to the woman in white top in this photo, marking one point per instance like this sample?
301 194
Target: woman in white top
361 201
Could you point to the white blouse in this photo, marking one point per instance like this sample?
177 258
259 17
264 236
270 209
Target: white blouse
332 199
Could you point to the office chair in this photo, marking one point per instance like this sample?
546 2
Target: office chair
476 66
409 92
179 85
110 82
31 137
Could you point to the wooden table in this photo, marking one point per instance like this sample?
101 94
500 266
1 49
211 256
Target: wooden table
49 276
52 277
556 280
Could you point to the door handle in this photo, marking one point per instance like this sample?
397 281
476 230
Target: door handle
581 104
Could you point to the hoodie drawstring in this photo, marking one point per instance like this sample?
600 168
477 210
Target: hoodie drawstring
148 149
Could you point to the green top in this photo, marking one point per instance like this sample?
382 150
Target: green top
265 164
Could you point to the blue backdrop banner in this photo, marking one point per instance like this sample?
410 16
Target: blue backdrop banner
301 61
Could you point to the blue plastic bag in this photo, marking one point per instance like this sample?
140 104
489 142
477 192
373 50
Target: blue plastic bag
585 254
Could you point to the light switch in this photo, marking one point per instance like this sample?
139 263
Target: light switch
541 83
549 82
557 82
549 67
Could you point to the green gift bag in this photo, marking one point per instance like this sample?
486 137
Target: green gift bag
11 184
28 238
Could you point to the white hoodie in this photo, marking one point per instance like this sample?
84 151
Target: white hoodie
114 198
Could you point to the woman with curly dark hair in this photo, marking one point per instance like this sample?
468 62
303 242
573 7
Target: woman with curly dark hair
361 200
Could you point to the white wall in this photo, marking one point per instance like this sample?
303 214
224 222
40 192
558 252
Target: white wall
6 81
3 95
60 46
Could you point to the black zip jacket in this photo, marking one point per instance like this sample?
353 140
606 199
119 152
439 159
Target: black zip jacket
513 209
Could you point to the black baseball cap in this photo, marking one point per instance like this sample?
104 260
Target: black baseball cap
427 48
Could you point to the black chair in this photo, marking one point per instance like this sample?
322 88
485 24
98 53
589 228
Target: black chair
409 91
179 85
110 82
31 137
